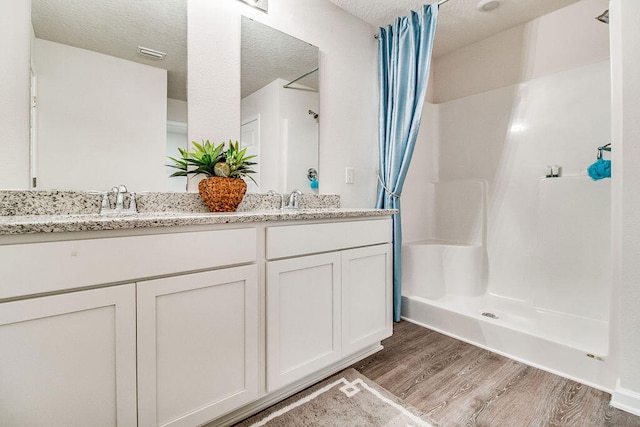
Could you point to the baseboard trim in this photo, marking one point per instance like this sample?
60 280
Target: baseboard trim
626 400
279 395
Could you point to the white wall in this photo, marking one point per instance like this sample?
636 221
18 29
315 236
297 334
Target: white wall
625 55
176 110
348 83
100 118
15 35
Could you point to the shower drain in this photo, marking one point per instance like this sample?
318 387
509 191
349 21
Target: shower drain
490 315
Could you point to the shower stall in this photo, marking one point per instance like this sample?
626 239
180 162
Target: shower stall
516 255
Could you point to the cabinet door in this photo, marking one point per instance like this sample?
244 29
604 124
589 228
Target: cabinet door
303 317
366 297
69 360
197 346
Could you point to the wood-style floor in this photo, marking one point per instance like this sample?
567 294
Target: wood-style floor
457 384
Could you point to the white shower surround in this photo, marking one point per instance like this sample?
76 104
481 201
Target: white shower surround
547 240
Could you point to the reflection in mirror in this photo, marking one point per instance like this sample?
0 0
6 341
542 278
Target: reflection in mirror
105 113
280 108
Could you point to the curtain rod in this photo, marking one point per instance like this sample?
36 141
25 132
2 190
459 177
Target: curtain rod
440 3
288 85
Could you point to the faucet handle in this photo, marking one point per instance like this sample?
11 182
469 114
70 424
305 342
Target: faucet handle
105 202
113 190
133 206
108 203
293 198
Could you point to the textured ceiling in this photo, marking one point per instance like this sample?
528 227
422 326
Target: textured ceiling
460 23
117 28
268 54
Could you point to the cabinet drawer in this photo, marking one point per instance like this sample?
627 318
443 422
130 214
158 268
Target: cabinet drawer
47 267
294 240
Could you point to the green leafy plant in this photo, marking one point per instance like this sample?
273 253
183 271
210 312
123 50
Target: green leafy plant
211 160
239 163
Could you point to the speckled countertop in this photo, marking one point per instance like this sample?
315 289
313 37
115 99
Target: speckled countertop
26 224
53 211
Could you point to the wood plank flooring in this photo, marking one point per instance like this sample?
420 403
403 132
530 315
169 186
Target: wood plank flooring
458 384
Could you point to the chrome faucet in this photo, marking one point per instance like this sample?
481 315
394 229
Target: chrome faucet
293 199
117 206
122 189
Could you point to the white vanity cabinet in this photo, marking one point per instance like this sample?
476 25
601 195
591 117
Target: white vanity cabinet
187 325
69 359
177 345
197 346
325 306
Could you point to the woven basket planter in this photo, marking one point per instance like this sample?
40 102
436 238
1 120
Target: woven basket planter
222 194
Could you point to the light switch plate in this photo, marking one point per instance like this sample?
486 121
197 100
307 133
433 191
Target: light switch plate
348 175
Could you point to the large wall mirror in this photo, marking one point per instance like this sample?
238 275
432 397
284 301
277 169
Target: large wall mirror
280 112
107 111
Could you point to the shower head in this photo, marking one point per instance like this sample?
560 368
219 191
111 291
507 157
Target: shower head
604 17
313 113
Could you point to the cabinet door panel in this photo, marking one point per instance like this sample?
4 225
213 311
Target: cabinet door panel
197 345
366 297
69 360
303 317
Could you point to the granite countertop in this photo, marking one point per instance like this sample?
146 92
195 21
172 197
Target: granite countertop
26 224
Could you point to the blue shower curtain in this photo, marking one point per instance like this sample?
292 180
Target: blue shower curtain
404 57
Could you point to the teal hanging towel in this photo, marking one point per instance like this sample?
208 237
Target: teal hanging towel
600 169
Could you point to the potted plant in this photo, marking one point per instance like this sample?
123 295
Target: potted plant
223 188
